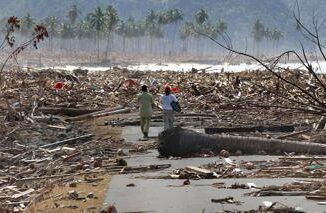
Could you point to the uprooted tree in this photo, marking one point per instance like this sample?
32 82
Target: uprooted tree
301 90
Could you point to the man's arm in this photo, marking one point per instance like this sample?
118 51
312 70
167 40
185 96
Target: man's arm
174 98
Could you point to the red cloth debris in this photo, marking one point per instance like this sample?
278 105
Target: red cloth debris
130 83
59 85
175 89
172 89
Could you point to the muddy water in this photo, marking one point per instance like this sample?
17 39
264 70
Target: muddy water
159 195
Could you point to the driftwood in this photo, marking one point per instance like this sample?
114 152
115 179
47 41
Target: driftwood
58 176
203 172
282 128
136 121
65 111
139 169
102 113
68 141
297 158
321 124
293 134
183 142
282 193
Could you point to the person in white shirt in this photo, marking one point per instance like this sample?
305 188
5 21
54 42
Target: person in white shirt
168 114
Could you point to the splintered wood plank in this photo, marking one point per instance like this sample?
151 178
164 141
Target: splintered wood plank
203 172
21 194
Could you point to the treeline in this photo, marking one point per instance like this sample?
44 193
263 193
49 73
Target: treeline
159 33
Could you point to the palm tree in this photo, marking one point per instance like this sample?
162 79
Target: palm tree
27 24
186 32
111 20
52 25
153 26
84 29
221 26
258 33
67 33
276 37
202 25
201 16
73 14
122 30
135 29
98 24
175 16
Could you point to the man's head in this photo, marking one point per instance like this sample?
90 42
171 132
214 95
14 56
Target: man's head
167 90
144 88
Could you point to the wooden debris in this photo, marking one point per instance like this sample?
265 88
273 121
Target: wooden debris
202 172
68 141
283 128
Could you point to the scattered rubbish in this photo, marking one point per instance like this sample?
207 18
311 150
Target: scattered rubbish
45 141
229 200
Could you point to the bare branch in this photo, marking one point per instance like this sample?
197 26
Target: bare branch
268 68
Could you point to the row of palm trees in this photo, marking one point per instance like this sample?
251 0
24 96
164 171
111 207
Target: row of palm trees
163 28
260 32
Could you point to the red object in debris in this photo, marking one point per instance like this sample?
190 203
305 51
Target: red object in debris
59 85
129 83
175 90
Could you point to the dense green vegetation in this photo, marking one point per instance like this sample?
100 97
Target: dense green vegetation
163 26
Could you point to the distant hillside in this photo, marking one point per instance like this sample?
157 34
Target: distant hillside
235 11
240 15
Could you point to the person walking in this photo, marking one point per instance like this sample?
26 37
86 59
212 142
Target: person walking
145 101
168 114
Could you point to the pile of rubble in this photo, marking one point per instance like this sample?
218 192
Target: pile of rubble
42 144
293 166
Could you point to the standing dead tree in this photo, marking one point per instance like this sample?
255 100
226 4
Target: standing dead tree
39 34
307 91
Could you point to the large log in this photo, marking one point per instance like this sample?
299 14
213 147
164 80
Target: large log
65 111
60 110
280 128
184 142
116 110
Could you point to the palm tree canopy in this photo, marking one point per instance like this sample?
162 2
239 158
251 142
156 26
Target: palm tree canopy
258 31
52 24
73 14
112 18
97 20
201 16
67 31
27 23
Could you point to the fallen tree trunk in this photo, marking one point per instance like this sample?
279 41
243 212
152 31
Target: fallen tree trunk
183 142
281 128
103 113
60 110
65 111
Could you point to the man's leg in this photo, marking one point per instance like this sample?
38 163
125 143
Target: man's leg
147 125
170 119
142 123
165 120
